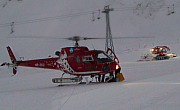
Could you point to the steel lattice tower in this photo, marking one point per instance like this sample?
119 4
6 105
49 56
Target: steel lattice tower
109 41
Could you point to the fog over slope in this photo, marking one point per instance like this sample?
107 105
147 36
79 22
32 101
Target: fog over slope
62 19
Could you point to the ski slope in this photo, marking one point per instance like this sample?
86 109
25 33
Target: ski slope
148 85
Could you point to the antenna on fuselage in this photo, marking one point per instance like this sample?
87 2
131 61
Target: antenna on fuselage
93 47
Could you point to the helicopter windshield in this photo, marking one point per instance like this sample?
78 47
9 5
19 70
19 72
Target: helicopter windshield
102 57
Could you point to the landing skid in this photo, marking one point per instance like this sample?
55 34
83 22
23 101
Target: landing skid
67 80
79 80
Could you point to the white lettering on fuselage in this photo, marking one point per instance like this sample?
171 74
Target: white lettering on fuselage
40 64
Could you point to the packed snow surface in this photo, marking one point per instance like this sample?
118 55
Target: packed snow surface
153 85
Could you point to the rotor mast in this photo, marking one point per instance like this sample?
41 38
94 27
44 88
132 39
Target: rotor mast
109 41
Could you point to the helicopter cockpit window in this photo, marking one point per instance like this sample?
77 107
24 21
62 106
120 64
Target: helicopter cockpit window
88 59
102 57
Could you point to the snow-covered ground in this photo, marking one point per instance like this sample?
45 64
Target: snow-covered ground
148 85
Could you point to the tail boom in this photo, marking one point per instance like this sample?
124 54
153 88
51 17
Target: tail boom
48 63
39 63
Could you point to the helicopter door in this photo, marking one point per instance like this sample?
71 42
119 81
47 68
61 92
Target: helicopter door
78 64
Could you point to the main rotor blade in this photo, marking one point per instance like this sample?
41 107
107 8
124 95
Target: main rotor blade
78 38
34 37
121 37
133 37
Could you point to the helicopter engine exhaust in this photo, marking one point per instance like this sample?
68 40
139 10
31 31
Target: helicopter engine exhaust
57 53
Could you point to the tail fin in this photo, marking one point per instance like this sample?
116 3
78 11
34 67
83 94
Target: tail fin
13 59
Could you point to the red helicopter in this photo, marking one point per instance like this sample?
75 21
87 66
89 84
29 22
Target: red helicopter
78 61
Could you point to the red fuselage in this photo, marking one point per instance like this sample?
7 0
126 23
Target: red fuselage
76 61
